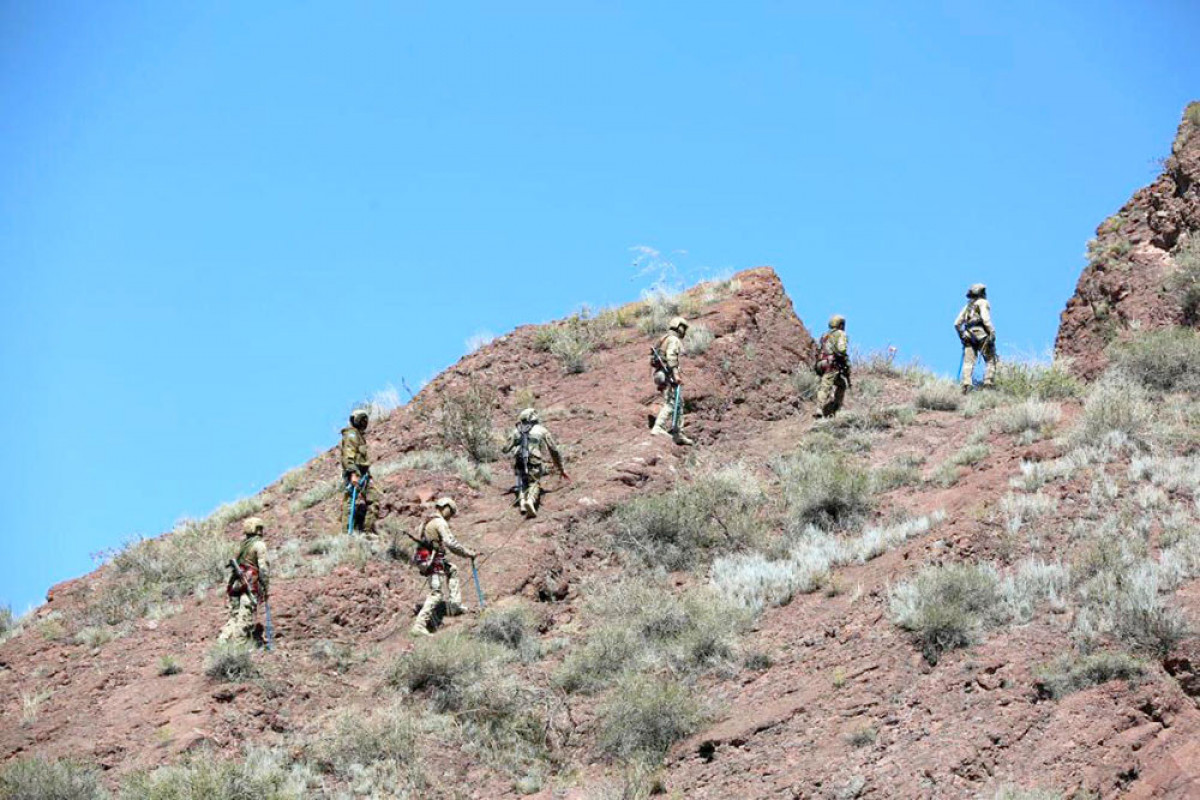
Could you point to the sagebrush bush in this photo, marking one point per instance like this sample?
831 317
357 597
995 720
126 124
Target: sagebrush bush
262 775
466 422
573 340
1032 416
383 742
41 779
1162 361
699 338
1073 673
1186 281
644 716
946 607
640 624
939 395
231 662
317 494
471 472
822 488
445 667
805 383
1116 403
1031 380
660 306
683 527
515 626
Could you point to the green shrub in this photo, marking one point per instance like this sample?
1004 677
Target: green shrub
805 383
699 338
969 455
383 742
1070 674
660 306
466 422
1186 282
515 626
573 340
1162 361
1117 403
1030 380
317 494
444 667
169 665
231 662
939 395
645 716
822 488
470 472
40 779
683 527
262 776
946 607
901 472
862 737
1034 417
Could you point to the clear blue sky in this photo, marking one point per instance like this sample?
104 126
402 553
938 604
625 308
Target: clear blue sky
223 223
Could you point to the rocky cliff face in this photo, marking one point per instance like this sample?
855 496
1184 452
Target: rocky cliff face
1127 284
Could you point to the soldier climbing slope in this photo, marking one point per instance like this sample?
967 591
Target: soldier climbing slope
434 540
527 442
664 360
833 365
249 582
356 473
974 327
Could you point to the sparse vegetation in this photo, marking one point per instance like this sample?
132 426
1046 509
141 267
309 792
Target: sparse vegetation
376 748
1032 380
1071 673
939 395
699 339
947 607
263 775
169 665
514 626
862 737
1164 360
317 494
574 339
645 716
824 489
1033 418
471 472
805 383
903 471
660 306
31 705
1116 403
1186 281
445 668
679 529
466 422
41 779
339 656
231 662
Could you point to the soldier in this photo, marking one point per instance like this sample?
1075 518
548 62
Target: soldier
667 378
434 540
527 442
356 470
247 589
833 365
974 327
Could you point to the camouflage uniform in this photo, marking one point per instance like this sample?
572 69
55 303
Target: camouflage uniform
974 326
443 580
669 380
833 365
356 461
244 600
529 473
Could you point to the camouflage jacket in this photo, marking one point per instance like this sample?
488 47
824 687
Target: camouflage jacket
437 532
669 350
976 313
253 554
539 437
354 451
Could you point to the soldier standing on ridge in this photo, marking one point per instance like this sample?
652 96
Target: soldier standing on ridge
434 540
974 327
833 365
527 442
248 584
356 470
664 359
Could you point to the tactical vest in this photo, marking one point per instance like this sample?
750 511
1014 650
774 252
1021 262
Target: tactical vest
247 561
827 360
430 555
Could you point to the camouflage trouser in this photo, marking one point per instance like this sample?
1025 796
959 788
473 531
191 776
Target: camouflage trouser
831 393
970 353
532 492
666 413
441 585
368 502
241 618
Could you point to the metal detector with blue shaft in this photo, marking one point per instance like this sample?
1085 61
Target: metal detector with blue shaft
270 629
478 588
678 408
354 503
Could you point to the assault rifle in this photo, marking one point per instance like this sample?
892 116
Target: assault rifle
270 628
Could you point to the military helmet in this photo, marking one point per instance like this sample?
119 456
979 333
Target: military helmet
252 525
678 324
358 417
977 290
837 321
528 415
446 502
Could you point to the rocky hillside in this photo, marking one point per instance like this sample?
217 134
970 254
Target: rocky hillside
927 596
1133 279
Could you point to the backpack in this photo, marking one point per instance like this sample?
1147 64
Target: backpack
427 558
827 361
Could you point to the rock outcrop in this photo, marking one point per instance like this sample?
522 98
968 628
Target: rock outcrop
1127 284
